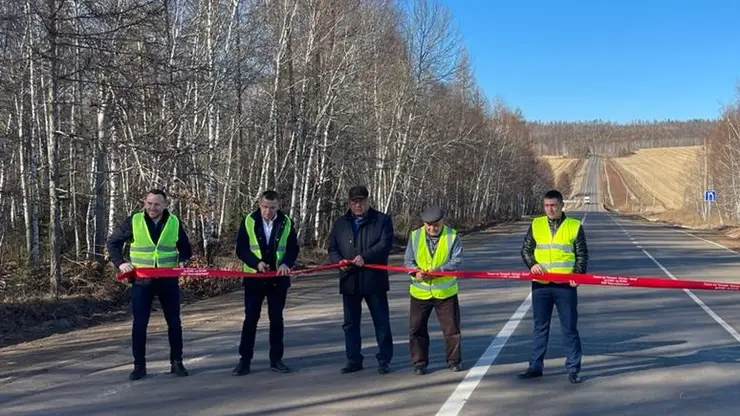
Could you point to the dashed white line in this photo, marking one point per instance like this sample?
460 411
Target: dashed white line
693 297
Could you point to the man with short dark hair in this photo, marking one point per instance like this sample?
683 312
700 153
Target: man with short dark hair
266 241
555 243
363 235
157 239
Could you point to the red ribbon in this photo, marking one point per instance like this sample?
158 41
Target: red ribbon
581 279
586 279
162 272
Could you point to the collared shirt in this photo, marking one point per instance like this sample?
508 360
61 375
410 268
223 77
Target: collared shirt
267 226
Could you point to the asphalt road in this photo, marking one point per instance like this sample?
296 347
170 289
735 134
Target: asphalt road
646 351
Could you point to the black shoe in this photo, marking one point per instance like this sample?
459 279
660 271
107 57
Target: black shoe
384 369
455 367
351 368
530 374
241 369
138 373
279 367
420 370
574 378
177 368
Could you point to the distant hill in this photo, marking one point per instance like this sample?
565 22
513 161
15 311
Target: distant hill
578 139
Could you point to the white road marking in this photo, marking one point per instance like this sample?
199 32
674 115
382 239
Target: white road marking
460 396
693 297
711 242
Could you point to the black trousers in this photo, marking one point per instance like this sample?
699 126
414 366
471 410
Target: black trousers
448 315
254 296
142 296
377 303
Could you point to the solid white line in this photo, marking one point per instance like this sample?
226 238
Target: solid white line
711 242
460 396
693 297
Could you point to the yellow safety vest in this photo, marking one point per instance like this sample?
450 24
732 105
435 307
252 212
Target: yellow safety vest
441 287
556 254
144 253
254 245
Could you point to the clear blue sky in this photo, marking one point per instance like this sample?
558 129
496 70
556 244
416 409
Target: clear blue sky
617 60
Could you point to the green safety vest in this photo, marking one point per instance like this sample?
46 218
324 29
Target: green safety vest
144 253
556 254
254 245
441 287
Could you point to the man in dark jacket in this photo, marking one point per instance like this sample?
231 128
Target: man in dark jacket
266 242
156 238
363 235
555 243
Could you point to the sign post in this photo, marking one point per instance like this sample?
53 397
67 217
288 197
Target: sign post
710 196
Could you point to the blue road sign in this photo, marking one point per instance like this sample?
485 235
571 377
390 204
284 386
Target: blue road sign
710 196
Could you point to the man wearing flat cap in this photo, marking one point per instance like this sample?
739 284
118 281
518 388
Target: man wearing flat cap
363 235
434 247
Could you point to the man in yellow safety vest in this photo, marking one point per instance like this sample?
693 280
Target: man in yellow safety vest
433 247
266 241
555 243
157 239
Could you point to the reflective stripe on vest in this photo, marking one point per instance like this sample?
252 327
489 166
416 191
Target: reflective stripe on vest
555 254
254 245
144 253
441 287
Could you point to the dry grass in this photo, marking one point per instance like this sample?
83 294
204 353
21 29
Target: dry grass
574 166
659 178
560 164
660 184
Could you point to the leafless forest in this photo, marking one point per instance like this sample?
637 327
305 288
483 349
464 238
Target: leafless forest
722 162
611 140
216 101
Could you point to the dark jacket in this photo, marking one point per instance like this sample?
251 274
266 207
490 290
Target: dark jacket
374 242
124 234
267 248
581 250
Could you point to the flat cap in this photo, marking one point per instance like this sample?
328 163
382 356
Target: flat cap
432 214
358 191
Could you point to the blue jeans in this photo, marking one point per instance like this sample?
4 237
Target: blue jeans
565 299
142 296
377 303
